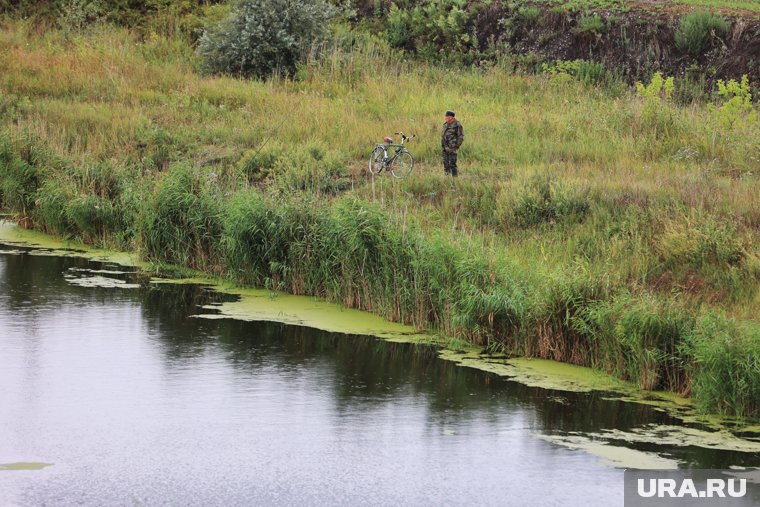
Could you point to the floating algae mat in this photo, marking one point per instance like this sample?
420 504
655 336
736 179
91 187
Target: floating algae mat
99 271
611 445
264 305
540 372
680 436
44 244
101 281
23 466
612 455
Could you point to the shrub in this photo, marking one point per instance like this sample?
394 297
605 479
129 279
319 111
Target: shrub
697 30
262 36
432 28
591 25
657 115
554 307
707 256
529 15
737 103
691 89
590 72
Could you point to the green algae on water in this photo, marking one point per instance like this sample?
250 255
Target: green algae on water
24 466
99 271
612 455
540 372
44 244
266 305
101 281
681 436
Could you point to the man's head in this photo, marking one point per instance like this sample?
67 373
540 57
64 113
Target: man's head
449 116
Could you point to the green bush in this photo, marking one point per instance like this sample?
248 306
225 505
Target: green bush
704 254
529 15
258 165
736 103
591 72
433 28
690 89
591 25
657 113
260 37
548 331
697 30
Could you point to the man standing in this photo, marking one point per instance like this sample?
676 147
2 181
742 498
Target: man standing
451 139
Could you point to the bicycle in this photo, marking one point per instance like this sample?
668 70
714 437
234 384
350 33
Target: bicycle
399 164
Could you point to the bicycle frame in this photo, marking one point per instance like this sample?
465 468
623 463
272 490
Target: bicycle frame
397 147
387 147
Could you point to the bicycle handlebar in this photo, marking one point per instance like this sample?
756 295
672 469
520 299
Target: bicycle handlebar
404 136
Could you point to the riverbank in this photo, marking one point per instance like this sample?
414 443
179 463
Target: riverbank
637 256
270 306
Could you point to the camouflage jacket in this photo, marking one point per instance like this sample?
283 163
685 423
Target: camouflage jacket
452 136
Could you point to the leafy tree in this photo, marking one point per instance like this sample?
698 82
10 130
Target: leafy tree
261 36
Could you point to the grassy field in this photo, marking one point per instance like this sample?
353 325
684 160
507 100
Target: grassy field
592 225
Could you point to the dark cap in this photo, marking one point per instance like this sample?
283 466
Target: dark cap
450 113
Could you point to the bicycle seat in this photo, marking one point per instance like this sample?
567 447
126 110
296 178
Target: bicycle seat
388 140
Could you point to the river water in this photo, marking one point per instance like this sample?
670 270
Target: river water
119 396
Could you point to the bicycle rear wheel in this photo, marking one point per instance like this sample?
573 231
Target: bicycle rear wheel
402 165
376 160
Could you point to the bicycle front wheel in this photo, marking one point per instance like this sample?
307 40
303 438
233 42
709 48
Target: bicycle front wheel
402 165
376 160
